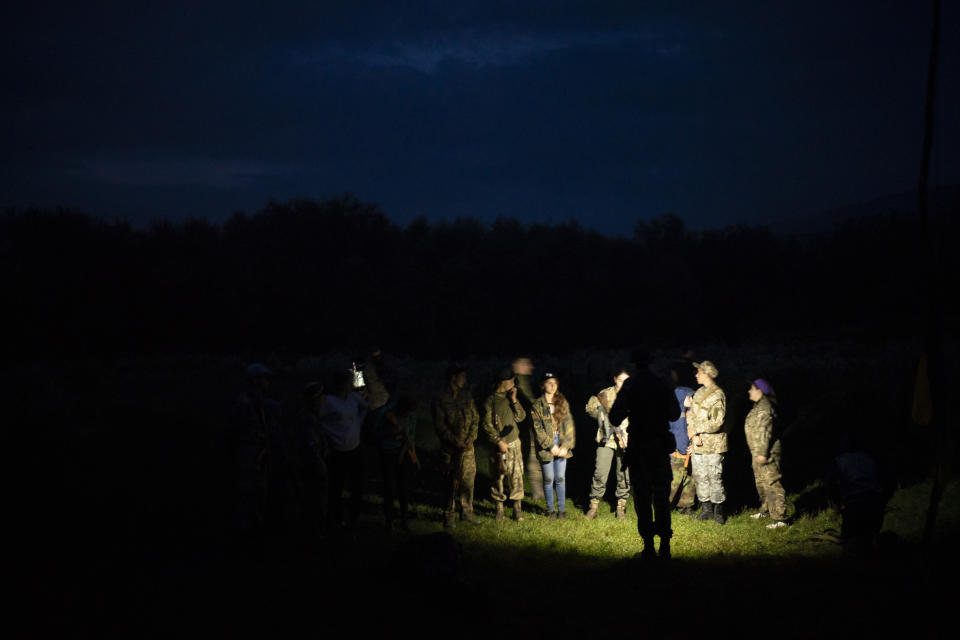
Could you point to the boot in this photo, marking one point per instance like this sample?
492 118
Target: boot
499 511
648 554
622 509
592 511
706 511
518 510
469 517
449 520
718 516
664 552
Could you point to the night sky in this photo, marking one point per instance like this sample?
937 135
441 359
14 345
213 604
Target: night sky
604 112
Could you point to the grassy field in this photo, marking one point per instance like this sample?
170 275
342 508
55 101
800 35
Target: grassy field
134 487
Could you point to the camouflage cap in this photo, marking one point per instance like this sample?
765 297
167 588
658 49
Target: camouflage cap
506 374
707 367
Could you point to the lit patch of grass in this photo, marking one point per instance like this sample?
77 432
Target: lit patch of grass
590 545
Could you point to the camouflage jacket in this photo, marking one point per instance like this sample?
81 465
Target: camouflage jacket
456 420
707 413
544 426
501 417
605 398
377 394
759 429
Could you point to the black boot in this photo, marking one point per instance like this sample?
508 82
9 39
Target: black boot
706 511
664 551
718 516
648 554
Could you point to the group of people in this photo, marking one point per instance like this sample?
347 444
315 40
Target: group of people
665 441
313 459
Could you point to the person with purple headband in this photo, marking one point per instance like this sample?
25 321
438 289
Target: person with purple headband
760 429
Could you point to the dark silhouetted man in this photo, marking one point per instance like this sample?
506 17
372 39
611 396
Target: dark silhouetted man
650 405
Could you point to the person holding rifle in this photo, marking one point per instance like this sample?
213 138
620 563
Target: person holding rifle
612 441
683 494
501 417
456 421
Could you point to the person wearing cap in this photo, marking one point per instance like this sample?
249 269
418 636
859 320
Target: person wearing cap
707 411
610 448
765 450
456 422
555 437
502 413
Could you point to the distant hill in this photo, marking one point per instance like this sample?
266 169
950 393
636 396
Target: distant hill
942 200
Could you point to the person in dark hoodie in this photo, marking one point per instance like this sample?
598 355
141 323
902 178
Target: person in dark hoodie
650 405
683 493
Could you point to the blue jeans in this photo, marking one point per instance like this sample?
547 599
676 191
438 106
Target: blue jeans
553 472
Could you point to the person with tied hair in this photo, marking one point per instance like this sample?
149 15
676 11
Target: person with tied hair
760 429
456 421
555 437
707 410
502 414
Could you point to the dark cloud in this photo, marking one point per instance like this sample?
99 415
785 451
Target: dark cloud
605 112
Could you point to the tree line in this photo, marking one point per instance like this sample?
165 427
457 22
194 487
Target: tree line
306 276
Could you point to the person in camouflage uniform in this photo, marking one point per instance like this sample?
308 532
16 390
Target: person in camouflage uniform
456 421
523 375
609 449
501 415
706 430
760 431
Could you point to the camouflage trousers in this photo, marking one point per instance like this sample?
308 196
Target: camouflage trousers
509 484
708 476
682 482
463 471
601 471
773 499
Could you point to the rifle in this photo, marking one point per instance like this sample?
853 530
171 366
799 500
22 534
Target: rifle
499 459
618 433
675 498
